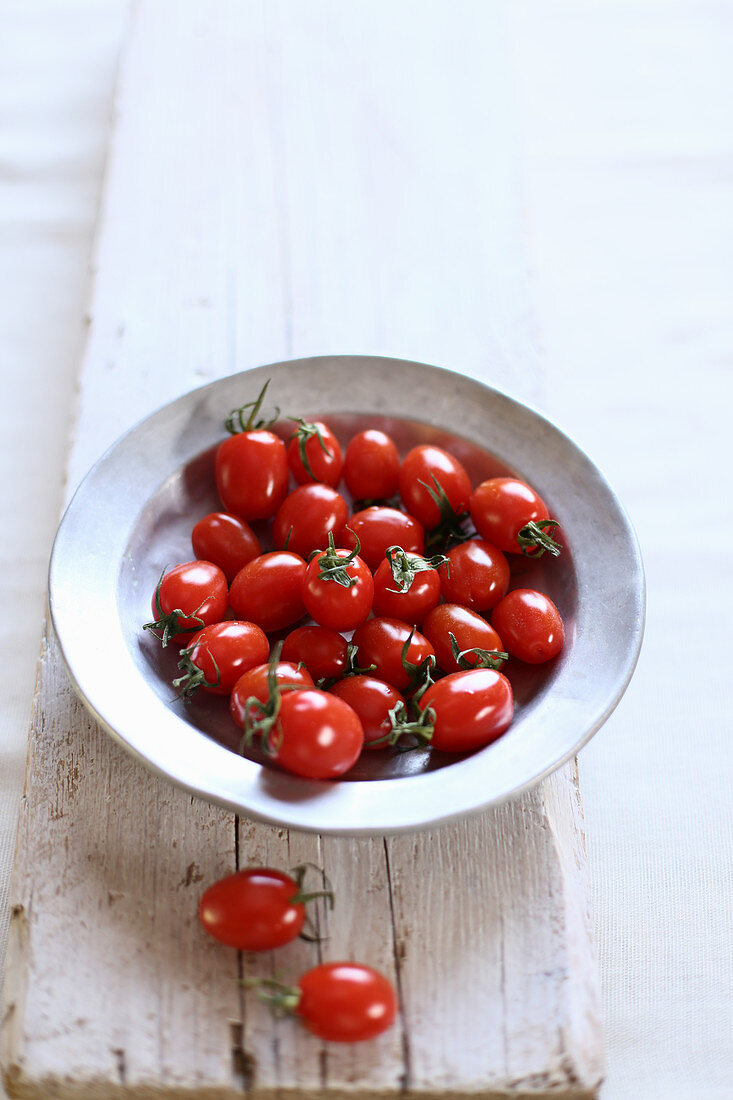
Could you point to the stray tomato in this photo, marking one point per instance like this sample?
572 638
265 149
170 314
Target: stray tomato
380 642
188 597
378 528
371 466
425 470
256 909
338 589
324 652
227 541
345 1002
469 630
509 514
218 655
531 626
372 700
412 604
477 575
268 590
471 709
314 454
316 735
306 516
255 684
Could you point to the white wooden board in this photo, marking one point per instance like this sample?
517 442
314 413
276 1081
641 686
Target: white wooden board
288 179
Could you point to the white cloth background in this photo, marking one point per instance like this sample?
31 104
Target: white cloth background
628 154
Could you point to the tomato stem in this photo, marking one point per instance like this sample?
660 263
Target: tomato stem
236 423
421 675
299 874
194 677
535 538
421 727
303 434
450 527
405 568
485 658
332 567
282 999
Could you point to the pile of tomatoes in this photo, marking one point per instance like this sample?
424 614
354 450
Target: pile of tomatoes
385 627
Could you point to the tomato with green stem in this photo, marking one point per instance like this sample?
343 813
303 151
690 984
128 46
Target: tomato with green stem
477 575
434 487
324 652
399 653
338 588
268 591
308 732
371 466
314 453
407 586
218 655
225 540
379 527
251 466
377 704
255 686
304 519
187 597
530 624
469 709
509 514
457 632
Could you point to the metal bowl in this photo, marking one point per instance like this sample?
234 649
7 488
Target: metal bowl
132 516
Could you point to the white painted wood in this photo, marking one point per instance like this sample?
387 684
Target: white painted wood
288 179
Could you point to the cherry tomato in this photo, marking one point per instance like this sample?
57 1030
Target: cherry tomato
322 651
371 466
471 709
331 603
218 655
501 507
477 577
314 454
188 597
345 1002
530 625
466 626
305 517
252 474
411 606
372 700
380 527
424 465
255 684
253 910
316 735
227 541
380 642
268 590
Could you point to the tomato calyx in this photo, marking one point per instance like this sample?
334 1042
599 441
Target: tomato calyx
259 717
171 624
485 658
451 526
333 567
405 568
535 538
304 433
282 999
194 677
421 728
235 423
303 897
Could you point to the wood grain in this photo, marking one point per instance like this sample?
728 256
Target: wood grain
291 179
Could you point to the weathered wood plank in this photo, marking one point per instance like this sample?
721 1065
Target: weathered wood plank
290 179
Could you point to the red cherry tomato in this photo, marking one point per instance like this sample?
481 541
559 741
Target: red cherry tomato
466 626
378 528
314 454
227 541
268 590
306 516
411 606
344 1002
188 597
477 577
255 684
371 466
218 655
252 474
530 626
501 507
424 465
380 642
333 604
316 735
322 651
372 700
253 910
471 709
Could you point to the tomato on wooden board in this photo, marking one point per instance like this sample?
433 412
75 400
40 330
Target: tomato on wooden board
256 909
314 454
255 684
380 642
345 1002
338 589
421 595
225 540
530 624
316 735
322 651
372 700
371 466
509 514
268 591
379 527
421 468
219 654
306 516
470 630
471 709
477 575
188 597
